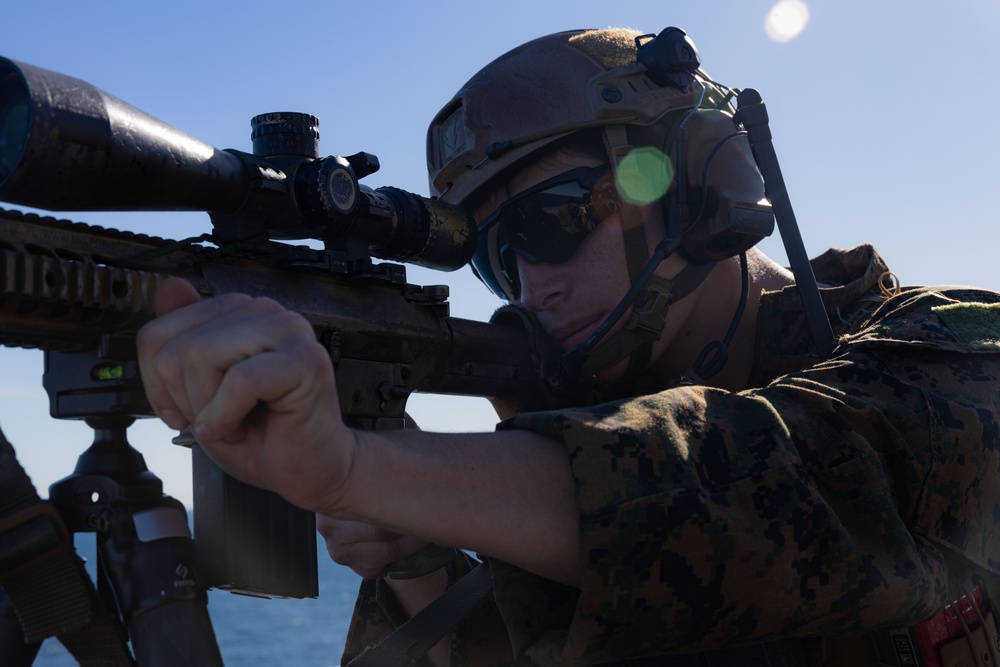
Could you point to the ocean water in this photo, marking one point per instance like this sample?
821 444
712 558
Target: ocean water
253 631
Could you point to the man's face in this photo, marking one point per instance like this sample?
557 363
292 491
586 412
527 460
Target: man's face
572 298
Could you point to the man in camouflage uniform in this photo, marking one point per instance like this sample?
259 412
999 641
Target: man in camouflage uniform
740 497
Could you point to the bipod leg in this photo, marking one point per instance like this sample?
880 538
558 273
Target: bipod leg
146 557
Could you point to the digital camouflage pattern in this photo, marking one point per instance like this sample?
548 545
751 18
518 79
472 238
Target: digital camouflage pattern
832 498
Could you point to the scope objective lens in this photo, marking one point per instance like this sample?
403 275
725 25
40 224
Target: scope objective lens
15 120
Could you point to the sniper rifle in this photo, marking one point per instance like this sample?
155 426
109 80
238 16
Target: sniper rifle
79 292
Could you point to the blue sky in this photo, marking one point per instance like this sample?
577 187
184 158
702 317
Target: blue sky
883 118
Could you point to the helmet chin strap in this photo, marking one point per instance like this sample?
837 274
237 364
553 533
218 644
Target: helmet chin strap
646 323
652 296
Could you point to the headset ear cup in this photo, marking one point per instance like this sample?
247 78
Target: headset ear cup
725 228
726 210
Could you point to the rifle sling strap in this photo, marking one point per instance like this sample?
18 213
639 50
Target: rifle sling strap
411 641
43 577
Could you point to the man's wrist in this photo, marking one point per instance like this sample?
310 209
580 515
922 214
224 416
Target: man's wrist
415 594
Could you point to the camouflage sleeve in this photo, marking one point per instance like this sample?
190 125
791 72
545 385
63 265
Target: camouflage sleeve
818 505
376 614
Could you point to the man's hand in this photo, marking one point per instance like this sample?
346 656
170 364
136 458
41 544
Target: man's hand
259 393
365 548
255 387
368 549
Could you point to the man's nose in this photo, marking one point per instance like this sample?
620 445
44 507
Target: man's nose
543 286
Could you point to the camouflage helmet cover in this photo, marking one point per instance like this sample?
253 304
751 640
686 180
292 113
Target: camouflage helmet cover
540 92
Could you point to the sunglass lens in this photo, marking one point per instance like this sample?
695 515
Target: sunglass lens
546 224
548 227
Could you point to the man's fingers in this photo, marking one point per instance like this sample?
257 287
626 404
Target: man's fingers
174 293
365 548
171 294
181 310
346 531
207 359
240 390
185 352
245 371
284 380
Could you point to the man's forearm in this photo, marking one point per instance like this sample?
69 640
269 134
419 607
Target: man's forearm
508 495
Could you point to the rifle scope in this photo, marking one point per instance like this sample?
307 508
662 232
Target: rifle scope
66 145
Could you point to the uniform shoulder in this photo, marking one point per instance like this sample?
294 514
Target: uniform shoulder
949 317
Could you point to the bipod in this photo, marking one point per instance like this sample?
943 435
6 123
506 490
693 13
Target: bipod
146 563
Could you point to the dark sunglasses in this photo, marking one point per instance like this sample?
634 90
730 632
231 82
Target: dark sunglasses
546 223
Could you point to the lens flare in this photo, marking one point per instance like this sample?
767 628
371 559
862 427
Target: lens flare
786 20
644 175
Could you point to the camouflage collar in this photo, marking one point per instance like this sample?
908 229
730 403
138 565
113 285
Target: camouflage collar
849 288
